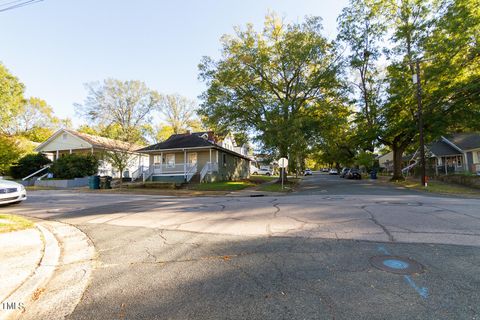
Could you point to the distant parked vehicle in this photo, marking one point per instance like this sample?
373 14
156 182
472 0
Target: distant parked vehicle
11 192
308 172
344 172
354 174
263 171
325 170
333 171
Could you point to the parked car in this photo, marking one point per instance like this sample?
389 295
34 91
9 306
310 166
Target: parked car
325 170
11 192
266 172
308 172
344 172
354 174
333 171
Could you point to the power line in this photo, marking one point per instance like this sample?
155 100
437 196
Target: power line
10 3
17 4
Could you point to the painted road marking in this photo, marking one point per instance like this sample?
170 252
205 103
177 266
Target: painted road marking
397 264
422 291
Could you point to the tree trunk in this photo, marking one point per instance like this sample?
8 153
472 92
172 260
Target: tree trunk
397 163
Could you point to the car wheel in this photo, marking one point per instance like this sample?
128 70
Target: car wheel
268 174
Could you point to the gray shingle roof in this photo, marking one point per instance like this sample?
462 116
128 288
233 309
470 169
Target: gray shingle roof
441 148
465 141
185 141
180 141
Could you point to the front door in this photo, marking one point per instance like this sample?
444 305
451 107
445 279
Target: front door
192 158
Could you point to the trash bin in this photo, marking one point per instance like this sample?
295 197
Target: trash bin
94 182
373 174
106 182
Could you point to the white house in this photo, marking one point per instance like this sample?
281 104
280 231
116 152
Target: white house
66 141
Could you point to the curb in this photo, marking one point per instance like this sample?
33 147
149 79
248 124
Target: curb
29 288
66 287
58 283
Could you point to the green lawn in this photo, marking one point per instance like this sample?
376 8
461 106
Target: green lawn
222 186
10 223
439 187
277 187
262 179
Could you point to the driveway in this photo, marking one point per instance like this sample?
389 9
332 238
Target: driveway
302 256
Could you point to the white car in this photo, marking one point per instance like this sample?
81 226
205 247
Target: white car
308 172
333 171
261 171
11 192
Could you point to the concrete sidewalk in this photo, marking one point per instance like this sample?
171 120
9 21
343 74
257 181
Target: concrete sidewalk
20 256
44 271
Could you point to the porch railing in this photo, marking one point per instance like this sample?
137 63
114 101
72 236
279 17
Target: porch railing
172 168
36 172
209 167
191 172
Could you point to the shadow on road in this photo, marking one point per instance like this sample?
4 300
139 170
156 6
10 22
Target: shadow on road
157 274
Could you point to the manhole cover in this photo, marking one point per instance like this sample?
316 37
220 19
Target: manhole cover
396 264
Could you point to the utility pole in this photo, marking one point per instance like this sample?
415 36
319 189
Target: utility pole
420 123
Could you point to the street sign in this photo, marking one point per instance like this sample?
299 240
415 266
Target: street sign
283 162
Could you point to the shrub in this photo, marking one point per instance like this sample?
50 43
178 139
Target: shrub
74 166
28 165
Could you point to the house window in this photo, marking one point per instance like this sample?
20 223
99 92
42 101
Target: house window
192 158
157 159
459 161
478 156
224 159
170 160
64 136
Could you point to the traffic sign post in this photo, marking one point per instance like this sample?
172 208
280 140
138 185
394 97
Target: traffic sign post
283 163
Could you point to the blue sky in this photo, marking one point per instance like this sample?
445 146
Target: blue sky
56 46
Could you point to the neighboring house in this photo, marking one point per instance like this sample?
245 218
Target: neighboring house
198 156
66 141
458 152
385 161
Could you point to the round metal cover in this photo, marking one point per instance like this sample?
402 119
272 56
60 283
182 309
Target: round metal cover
396 264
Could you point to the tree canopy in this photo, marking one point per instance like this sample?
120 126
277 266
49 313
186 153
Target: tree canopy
280 84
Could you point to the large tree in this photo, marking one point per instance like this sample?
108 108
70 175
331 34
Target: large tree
273 82
123 106
452 75
11 99
362 30
179 112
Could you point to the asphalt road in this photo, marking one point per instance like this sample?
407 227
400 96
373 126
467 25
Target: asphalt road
302 256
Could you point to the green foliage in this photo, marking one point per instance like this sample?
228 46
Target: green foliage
74 166
9 153
366 160
11 98
280 84
28 165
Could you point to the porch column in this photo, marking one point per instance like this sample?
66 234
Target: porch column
185 163
70 151
210 155
161 162
56 158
